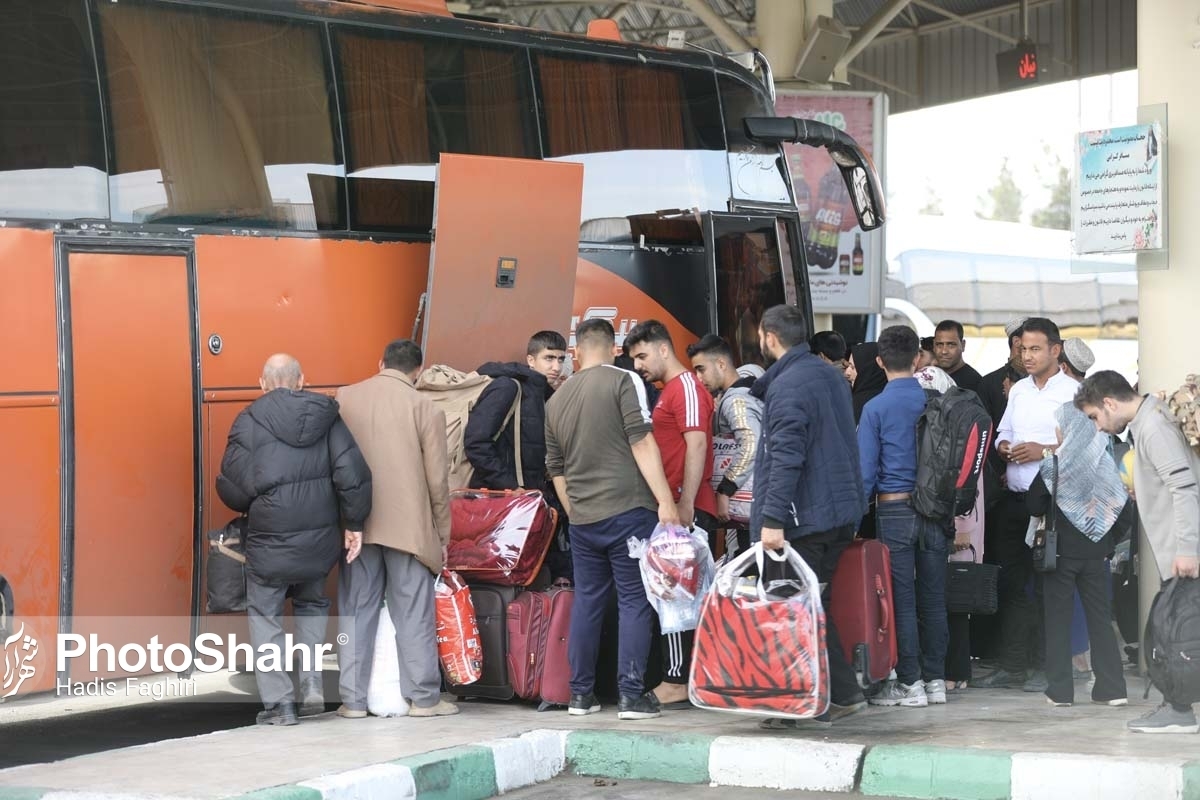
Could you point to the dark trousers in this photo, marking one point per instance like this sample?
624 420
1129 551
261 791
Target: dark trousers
1091 578
677 647
822 551
1021 637
600 554
958 648
918 552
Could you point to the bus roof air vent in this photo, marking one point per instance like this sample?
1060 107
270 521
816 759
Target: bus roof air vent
604 29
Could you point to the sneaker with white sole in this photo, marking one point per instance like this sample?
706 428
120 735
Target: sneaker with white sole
1165 719
900 694
583 704
1058 703
936 692
1116 702
644 707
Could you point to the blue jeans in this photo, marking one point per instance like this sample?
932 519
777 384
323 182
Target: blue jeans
918 548
600 552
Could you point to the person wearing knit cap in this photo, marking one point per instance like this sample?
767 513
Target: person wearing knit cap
1077 358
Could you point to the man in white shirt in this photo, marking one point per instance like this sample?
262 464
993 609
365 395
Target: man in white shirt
1027 434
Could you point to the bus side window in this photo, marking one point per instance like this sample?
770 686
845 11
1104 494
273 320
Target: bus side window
52 163
219 118
406 100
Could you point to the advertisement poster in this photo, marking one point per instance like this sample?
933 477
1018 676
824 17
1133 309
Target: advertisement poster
1119 195
845 264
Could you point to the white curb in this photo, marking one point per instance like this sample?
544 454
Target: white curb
1053 776
784 764
534 757
376 782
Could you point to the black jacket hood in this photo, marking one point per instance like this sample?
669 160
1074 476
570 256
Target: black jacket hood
297 418
513 369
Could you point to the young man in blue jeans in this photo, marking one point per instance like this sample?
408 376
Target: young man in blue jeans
887 444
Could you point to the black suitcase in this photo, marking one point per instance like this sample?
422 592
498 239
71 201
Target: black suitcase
491 614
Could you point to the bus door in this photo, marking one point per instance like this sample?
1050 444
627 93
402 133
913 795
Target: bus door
756 258
505 250
131 474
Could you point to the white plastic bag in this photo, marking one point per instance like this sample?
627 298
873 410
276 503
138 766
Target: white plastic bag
383 690
677 570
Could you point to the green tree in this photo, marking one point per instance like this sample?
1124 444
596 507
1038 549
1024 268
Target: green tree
1003 200
1057 212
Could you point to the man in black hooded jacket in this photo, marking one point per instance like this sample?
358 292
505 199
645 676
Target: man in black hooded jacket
293 466
489 440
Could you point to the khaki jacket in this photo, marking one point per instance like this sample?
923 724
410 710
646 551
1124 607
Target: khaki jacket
403 438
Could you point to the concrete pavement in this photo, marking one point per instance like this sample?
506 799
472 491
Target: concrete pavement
983 744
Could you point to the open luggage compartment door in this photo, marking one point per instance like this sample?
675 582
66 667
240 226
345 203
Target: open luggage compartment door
502 266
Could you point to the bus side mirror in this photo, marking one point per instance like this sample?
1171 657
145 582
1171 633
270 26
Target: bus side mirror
858 172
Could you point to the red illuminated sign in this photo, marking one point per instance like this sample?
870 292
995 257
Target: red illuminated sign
1017 67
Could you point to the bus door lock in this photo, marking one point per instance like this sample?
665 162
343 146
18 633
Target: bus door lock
215 344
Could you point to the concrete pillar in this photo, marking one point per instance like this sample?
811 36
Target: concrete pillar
1167 33
782 27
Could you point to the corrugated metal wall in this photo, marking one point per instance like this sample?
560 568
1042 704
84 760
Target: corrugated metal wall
958 63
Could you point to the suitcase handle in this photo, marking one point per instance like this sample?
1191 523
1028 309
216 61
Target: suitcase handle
885 614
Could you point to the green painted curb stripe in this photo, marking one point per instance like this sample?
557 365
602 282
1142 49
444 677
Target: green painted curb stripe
282 793
21 793
457 773
676 758
1191 781
937 772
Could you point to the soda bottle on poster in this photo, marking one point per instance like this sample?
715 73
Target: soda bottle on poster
803 202
821 246
857 256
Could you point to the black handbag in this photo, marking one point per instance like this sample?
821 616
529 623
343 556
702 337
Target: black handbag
1045 540
971 587
226 569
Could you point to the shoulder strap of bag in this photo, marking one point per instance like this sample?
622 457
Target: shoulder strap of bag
514 414
1054 500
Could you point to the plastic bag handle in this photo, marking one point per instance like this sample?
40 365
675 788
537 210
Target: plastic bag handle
760 552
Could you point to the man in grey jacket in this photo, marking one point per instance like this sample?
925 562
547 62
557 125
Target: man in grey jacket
736 427
1166 481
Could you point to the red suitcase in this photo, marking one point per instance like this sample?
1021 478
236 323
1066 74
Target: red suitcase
861 607
556 666
528 627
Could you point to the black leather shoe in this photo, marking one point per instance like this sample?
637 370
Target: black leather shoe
278 714
1002 679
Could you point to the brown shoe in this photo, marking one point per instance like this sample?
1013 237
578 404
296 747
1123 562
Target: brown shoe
351 713
442 709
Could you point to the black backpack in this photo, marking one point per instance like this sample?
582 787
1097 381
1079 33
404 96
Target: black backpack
953 435
1172 643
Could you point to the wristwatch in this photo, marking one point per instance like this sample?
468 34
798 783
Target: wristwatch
1048 452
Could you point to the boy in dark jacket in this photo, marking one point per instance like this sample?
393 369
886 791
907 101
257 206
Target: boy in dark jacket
808 490
293 467
489 439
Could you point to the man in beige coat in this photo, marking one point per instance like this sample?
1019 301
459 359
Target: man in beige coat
403 439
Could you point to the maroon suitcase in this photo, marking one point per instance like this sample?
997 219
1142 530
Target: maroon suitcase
556 666
528 618
861 607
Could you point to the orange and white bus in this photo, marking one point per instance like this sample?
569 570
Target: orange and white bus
187 187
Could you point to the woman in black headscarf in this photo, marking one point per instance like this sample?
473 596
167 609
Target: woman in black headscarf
870 378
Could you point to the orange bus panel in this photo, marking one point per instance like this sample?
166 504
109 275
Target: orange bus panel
134 443
333 304
523 213
27 312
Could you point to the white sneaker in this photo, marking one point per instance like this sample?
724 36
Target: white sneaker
899 694
936 692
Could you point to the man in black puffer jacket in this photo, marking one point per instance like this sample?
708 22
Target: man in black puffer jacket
294 467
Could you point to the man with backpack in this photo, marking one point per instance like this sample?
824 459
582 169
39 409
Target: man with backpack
1166 482
887 446
516 397
505 435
